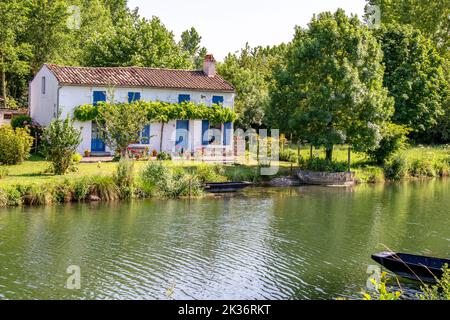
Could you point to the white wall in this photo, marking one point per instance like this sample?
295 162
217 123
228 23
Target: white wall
70 97
43 107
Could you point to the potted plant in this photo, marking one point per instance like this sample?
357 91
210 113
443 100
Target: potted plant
87 153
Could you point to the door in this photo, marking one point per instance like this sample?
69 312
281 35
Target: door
97 144
182 141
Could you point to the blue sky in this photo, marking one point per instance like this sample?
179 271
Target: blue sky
225 26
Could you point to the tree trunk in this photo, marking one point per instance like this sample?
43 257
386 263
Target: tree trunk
5 98
329 153
161 138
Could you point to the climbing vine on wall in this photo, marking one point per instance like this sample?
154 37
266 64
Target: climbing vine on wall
158 111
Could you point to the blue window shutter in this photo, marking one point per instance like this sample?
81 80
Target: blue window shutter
99 96
184 98
134 96
217 100
145 136
205 128
227 136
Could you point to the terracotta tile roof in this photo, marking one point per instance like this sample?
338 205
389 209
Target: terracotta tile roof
139 77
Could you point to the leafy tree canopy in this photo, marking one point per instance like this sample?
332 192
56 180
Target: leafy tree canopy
331 88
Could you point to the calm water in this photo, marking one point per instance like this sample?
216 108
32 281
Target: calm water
298 243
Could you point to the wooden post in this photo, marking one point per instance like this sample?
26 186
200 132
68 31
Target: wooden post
349 158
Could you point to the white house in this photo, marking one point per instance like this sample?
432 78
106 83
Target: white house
60 89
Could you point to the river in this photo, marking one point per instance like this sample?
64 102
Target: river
288 243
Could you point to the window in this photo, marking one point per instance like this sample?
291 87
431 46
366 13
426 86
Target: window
7 116
99 96
218 100
184 98
43 85
134 96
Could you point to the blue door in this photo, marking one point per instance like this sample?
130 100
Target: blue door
97 144
182 141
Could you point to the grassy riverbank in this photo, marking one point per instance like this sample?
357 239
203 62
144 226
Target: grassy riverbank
30 182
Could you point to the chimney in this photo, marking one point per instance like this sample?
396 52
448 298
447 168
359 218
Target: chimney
209 65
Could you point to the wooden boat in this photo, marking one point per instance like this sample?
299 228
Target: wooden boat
420 268
226 187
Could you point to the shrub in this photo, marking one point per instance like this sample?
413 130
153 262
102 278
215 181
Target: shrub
163 156
63 192
158 180
60 141
323 165
440 291
210 173
153 177
422 168
3 172
76 158
35 195
81 188
10 197
15 145
21 121
394 139
381 291
105 188
124 178
396 169
370 175
289 156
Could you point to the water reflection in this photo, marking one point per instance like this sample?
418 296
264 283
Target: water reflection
296 243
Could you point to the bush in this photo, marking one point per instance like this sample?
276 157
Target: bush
124 178
60 140
370 175
323 165
163 156
440 291
289 156
3 172
15 145
76 158
396 169
36 195
394 139
210 173
10 197
21 121
105 188
81 188
158 180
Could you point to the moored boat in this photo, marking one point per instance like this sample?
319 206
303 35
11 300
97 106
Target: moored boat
225 187
414 267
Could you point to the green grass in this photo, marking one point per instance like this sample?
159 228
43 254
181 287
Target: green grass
34 171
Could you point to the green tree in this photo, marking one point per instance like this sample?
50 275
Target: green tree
250 72
414 76
14 54
47 32
121 124
332 84
136 41
190 42
59 143
432 17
